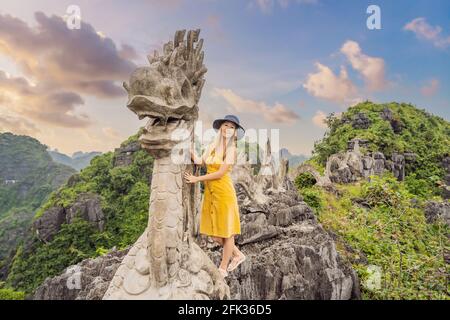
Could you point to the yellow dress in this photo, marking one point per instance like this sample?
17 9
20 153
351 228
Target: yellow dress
220 210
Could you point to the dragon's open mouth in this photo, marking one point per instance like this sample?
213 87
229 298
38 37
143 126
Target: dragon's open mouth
158 120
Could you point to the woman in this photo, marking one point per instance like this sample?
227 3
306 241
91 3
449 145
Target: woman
220 211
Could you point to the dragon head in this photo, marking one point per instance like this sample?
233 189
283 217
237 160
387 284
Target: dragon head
167 92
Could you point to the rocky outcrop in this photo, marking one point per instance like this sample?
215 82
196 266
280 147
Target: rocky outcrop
435 210
47 225
87 206
353 165
396 124
123 156
289 254
87 280
358 121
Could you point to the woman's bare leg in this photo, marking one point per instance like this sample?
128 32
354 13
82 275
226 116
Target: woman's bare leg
236 251
228 247
218 240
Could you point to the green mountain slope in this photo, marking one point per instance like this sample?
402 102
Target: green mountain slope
124 193
27 176
380 225
392 127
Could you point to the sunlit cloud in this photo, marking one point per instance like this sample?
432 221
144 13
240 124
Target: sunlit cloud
430 88
327 85
278 113
319 119
371 68
427 32
59 67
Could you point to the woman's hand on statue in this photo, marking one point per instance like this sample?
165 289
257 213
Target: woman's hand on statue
190 178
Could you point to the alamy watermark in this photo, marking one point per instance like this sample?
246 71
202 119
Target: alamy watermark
73 17
373 22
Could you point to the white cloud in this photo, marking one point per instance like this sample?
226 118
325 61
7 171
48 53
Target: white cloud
319 119
326 85
428 32
371 68
277 113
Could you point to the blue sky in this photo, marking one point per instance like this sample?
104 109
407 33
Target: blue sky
281 64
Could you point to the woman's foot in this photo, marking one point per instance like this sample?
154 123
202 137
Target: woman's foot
236 261
223 272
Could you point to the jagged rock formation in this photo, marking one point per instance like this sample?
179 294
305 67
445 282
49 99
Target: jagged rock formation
435 210
87 280
87 206
290 255
359 121
165 262
123 156
352 165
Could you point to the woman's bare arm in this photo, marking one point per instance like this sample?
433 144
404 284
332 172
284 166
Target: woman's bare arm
215 175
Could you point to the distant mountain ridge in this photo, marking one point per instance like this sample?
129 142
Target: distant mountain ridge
78 160
294 160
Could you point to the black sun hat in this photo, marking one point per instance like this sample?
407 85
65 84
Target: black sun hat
232 118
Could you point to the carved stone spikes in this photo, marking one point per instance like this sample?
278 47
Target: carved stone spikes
190 43
199 88
192 37
126 86
200 60
179 36
174 57
196 33
190 68
199 73
198 48
153 58
167 48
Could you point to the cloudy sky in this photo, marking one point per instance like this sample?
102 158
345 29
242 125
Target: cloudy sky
277 64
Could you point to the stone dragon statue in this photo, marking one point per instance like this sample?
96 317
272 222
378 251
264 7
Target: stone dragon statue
165 262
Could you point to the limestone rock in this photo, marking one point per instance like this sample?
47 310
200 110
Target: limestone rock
289 255
87 206
49 223
87 280
124 156
435 210
360 121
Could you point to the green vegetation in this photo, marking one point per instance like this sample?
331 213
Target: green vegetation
304 180
422 133
9 294
380 223
391 233
124 195
25 161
